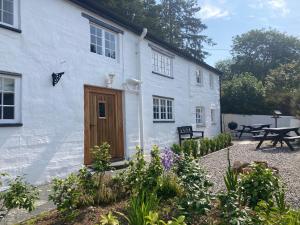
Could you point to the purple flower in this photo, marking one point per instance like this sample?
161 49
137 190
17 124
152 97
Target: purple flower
168 159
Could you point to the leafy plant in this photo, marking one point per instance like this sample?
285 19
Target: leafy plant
260 184
177 149
139 208
101 163
66 195
153 219
196 198
204 146
169 187
231 177
109 219
19 194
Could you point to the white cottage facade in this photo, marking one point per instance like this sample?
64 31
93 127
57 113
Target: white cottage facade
120 84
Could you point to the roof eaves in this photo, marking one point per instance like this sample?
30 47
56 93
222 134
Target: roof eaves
97 8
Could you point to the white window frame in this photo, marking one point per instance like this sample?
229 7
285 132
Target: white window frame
213 116
17 99
16 18
211 81
162 64
200 116
199 77
164 110
103 46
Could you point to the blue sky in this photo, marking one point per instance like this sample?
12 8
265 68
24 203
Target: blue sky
227 18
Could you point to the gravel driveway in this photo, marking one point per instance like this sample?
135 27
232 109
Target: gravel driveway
288 163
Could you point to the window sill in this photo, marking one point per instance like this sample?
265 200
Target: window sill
11 124
10 28
200 125
159 74
199 85
213 123
162 121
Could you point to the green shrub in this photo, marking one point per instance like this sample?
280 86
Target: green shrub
177 149
260 184
204 146
169 187
153 219
19 194
196 198
268 213
140 206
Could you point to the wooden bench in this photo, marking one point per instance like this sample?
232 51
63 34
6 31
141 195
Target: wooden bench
287 140
268 137
187 132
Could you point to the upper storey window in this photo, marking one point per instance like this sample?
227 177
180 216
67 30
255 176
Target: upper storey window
7 12
199 77
161 64
103 42
211 81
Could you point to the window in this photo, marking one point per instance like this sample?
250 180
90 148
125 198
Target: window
103 42
200 116
211 81
199 77
102 111
163 109
161 64
9 99
7 12
213 116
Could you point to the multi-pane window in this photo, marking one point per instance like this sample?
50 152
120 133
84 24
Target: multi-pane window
161 63
199 77
7 98
200 116
103 42
7 12
162 109
213 116
211 81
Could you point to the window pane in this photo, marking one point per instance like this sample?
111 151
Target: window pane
0 95
93 30
8 99
8 112
8 18
93 48
102 110
8 6
0 77
93 39
9 84
99 32
99 50
0 106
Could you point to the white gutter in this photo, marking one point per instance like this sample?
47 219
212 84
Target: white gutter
140 77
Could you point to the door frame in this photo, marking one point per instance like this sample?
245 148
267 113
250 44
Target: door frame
118 94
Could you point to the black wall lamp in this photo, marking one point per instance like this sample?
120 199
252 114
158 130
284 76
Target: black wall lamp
56 77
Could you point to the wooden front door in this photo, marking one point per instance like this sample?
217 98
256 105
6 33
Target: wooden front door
103 117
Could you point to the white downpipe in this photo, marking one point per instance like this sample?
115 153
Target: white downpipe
140 77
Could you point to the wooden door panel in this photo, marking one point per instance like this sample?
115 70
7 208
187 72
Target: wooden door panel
99 128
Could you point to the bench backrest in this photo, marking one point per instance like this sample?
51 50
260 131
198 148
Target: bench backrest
185 130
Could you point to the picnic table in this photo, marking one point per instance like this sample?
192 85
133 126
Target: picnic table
279 134
253 129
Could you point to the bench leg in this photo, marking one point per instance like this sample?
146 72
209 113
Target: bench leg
289 145
241 133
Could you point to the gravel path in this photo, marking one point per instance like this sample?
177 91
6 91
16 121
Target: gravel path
288 163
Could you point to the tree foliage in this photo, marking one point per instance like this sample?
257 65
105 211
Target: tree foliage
259 51
282 84
244 94
174 21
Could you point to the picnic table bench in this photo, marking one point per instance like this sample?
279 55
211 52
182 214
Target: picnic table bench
254 129
279 134
187 132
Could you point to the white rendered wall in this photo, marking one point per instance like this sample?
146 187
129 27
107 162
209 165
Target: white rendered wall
50 142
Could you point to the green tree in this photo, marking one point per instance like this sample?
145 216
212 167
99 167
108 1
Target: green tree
282 84
296 105
243 94
225 66
174 21
259 51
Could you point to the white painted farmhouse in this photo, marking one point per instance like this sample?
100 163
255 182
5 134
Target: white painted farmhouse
117 83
